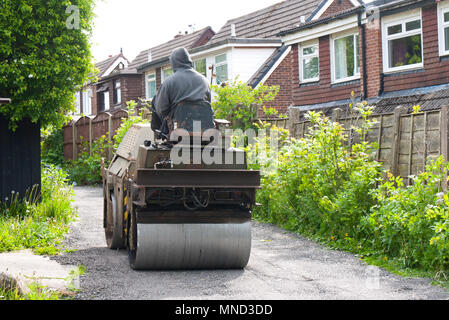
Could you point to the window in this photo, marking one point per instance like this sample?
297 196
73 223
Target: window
78 102
200 66
346 59
443 28
87 102
402 44
151 86
117 92
309 63
221 68
106 100
166 73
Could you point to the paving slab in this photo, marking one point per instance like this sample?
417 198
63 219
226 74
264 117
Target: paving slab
25 268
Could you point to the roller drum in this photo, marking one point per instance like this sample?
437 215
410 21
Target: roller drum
191 246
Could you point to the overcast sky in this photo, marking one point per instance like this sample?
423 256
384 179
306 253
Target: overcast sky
137 25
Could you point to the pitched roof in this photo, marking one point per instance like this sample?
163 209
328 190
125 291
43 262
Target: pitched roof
266 23
104 65
164 50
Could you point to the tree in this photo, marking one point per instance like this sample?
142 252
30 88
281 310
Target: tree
44 57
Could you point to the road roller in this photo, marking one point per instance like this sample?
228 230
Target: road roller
180 215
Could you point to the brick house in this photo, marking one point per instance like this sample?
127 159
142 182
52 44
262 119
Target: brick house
116 84
389 52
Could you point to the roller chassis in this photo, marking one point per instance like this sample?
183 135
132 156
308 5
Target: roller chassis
148 195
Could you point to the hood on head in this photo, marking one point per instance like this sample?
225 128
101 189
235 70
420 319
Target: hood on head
180 59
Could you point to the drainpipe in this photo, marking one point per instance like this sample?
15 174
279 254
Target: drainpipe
365 77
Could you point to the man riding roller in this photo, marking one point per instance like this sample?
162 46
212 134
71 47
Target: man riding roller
183 98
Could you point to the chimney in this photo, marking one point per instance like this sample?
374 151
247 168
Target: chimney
110 56
149 55
233 33
178 35
302 19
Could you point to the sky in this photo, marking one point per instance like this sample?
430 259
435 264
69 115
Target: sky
136 25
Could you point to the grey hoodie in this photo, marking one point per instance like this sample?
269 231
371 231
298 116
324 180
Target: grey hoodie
186 84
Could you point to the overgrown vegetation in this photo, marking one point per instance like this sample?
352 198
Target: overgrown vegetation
86 170
52 146
40 220
36 292
239 103
337 194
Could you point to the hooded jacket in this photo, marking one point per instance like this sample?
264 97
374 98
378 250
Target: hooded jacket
186 84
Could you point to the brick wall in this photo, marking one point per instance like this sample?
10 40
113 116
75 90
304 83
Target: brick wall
132 88
374 66
282 77
322 91
336 7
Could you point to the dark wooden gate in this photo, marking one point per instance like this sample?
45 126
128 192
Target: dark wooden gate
19 158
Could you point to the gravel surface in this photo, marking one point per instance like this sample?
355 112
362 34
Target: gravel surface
282 266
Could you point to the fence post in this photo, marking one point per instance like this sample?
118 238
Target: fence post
91 136
444 139
398 112
109 134
74 141
293 118
336 114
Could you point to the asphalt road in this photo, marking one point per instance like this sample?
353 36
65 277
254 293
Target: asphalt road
283 266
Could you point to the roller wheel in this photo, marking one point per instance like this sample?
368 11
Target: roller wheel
132 238
113 232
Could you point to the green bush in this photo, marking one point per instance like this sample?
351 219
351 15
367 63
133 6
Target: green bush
239 103
52 146
86 170
412 223
336 194
38 221
321 186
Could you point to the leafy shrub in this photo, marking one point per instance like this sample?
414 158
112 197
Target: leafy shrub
239 103
321 185
86 170
412 223
52 146
38 221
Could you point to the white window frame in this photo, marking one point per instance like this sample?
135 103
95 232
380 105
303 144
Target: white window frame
147 87
443 7
220 64
106 101
403 19
87 102
334 38
78 102
205 64
163 77
301 47
118 91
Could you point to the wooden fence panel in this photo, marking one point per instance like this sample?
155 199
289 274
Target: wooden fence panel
407 142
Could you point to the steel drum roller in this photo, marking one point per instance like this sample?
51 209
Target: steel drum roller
192 246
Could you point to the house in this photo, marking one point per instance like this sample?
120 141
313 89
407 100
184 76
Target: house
389 52
116 84
154 63
245 43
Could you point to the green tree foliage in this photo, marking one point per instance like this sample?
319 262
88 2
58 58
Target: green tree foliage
44 57
239 103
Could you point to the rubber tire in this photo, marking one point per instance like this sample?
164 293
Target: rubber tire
114 235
